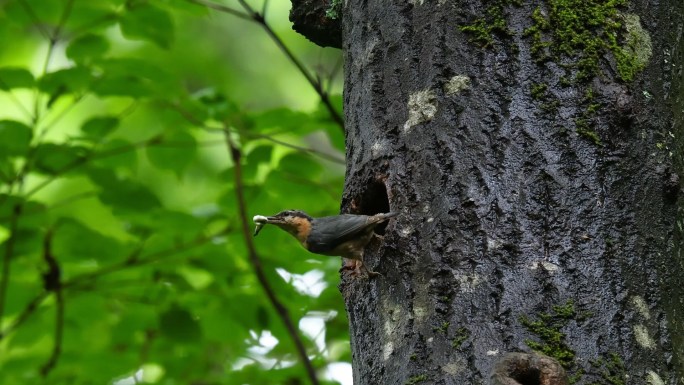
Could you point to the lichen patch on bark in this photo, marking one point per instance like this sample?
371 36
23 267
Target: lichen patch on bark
638 45
642 337
457 84
639 304
652 378
422 107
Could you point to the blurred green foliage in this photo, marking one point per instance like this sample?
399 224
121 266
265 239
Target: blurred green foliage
121 259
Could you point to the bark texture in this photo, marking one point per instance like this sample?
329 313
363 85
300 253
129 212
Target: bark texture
538 203
318 21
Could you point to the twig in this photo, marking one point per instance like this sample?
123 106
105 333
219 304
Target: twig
149 259
221 8
154 142
25 314
254 258
15 100
52 282
193 120
259 18
317 86
65 201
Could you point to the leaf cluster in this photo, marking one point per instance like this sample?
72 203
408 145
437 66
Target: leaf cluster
121 257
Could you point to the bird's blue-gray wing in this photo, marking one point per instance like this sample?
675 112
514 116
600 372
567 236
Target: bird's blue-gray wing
329 232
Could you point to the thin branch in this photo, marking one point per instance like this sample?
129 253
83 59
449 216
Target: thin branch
154 142
53 39
317 86
7 258
61 115
52 282
133 261
16 100
309 150
221 8
25 314
259 18
191 119
36 20
254 258
42 209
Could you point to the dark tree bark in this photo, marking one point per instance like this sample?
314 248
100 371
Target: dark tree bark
537 183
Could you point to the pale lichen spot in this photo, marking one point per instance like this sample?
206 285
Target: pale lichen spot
387 350
639 304
492 352
638 41
652 378
642 337
422 107
468 282
417 2
379 147
493 243
457 84
405 232
548 266
420 313
453 367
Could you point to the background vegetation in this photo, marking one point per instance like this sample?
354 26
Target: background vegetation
124 258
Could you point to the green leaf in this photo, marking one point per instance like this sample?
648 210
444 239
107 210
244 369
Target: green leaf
69 80
147 22
257 162
52 158
300 165
176 150
133 77
179 325
74 241
123 194
99 127
15 77
279 119
117 153
15 137
87 47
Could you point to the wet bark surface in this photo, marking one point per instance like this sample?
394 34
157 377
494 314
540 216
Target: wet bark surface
516 233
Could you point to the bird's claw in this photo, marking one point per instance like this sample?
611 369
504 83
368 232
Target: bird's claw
359 269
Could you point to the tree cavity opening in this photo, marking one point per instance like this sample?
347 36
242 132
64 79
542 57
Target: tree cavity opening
375 200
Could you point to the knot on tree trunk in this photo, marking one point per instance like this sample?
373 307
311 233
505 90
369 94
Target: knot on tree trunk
528 369
318 20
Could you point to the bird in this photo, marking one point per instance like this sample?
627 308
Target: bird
344 235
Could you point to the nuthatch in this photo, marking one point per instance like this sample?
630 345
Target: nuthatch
343 235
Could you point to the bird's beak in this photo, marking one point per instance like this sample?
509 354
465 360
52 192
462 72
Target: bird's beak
261 221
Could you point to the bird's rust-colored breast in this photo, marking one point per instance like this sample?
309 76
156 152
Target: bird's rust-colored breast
303 227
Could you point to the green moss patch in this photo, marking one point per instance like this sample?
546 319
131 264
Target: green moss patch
611 370
493 22
547 328
578 33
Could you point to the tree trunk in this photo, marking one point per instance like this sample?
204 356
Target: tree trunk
529 149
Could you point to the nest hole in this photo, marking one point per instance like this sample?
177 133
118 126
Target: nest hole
528 376
375 200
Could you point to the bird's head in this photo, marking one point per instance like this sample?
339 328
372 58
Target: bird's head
295 222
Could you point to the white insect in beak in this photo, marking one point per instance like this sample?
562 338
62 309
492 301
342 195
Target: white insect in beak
260 221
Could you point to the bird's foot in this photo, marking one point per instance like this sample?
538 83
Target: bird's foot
359 269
